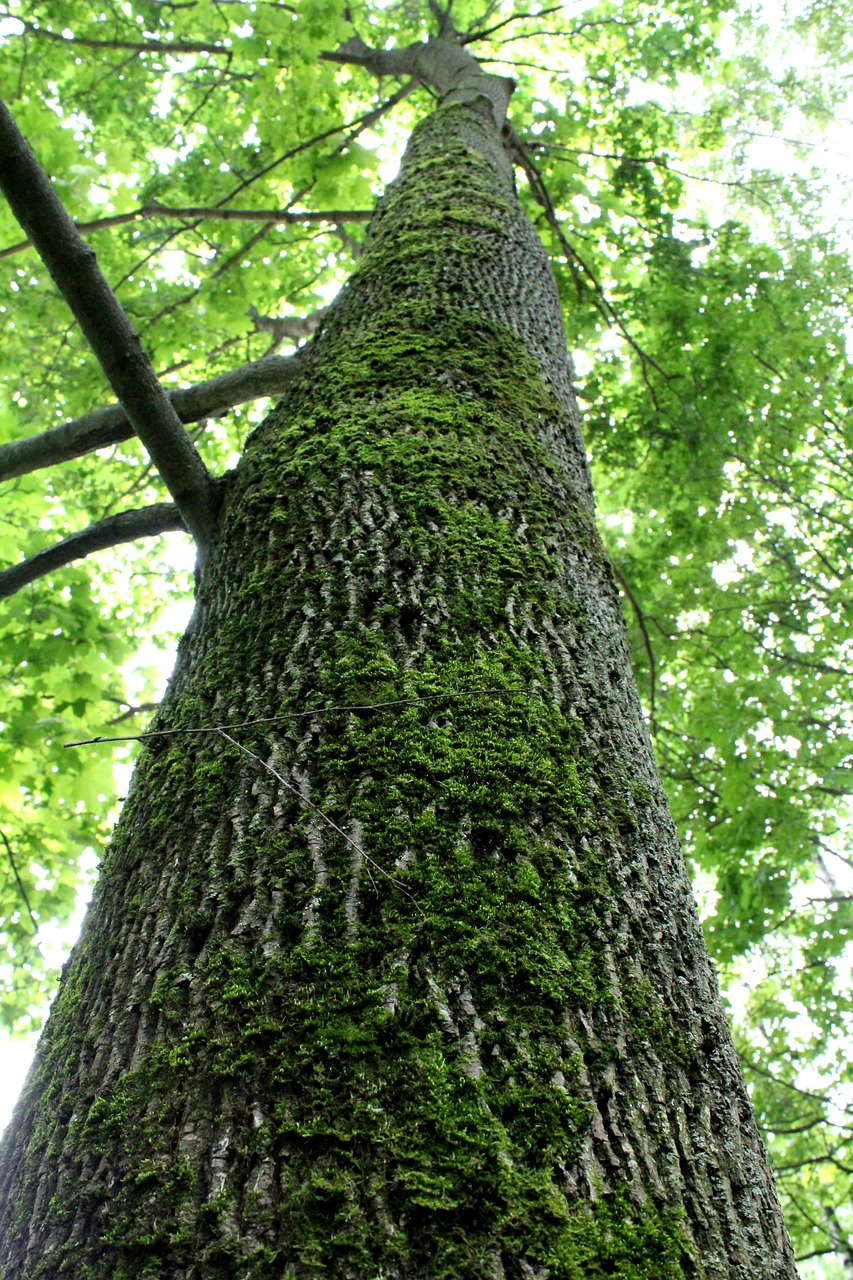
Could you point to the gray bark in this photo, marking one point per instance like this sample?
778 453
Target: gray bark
416 990
443 63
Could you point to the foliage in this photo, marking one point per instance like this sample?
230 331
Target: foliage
707 302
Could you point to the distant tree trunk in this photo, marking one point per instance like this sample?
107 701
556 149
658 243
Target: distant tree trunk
404 978
838 1239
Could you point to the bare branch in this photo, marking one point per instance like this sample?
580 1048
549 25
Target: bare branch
74 269
541 195
749 1065
110 425
132 710
280 216
18 881
362 122
474 34
137 46
382 62
840 1240
444 21
125 527
287 328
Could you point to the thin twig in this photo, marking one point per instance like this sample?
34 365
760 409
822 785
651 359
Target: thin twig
19 882
749 1065
317 711
658 160
202 213
474 34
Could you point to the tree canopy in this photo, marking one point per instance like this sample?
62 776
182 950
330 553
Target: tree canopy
222 164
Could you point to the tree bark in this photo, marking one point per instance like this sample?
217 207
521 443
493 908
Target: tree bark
414 990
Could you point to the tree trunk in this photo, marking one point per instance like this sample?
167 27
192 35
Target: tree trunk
402 978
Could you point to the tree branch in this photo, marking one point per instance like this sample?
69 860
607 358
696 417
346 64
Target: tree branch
19 882
110 425
137 46
440 62
381 62
125 527
542 196
287 328
475 34
748 1064
839 1239
287 216
351 130
74 269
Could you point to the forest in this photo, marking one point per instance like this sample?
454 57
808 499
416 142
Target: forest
223 158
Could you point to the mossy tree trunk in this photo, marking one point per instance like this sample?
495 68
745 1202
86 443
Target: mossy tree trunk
401 976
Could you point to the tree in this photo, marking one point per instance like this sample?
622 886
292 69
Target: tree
415 858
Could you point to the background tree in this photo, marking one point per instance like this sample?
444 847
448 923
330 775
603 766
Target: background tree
715 417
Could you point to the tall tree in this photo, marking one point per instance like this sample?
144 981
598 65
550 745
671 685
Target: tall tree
393 964
402 873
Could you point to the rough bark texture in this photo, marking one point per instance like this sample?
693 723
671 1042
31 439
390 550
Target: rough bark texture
470 1030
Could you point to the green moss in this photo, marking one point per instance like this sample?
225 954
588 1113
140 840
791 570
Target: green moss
419 1091
650 1023
616 1239
641 793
